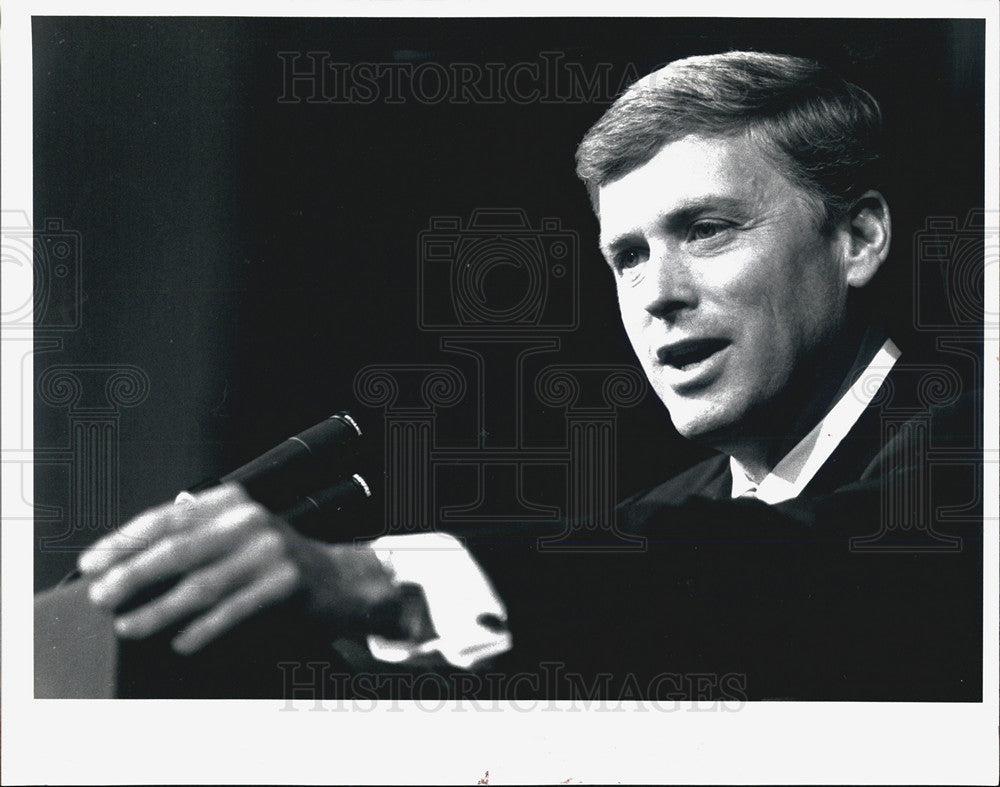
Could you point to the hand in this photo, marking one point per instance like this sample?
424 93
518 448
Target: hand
234 558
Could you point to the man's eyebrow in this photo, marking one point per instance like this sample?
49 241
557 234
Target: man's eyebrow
723 206
619 242
681 215
716 202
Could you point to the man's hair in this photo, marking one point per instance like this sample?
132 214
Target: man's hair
822 132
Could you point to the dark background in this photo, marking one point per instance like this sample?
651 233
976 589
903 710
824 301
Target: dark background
252 255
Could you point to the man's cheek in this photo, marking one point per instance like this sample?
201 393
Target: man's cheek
627 309
634 332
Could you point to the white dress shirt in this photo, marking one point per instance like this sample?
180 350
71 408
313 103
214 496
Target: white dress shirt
460 598
791 475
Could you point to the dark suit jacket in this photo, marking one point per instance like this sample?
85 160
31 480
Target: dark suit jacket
868 586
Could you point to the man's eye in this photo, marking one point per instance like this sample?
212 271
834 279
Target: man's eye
704 230
629 258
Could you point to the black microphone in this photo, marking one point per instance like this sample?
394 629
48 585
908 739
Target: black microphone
280 477
305 480
313 513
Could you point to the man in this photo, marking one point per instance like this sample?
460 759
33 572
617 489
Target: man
739 216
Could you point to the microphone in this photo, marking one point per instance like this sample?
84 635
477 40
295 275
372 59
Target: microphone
282 476
311 514
304 480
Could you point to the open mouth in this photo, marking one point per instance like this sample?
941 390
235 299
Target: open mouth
687 354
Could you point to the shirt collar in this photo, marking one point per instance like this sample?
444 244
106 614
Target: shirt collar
791 475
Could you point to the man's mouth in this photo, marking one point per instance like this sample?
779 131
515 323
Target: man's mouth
688 354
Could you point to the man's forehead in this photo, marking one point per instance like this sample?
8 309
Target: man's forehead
691 171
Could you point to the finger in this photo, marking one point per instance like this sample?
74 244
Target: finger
176 554
139 534
149 527
275 586
203 589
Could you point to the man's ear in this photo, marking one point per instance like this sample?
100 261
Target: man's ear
870 233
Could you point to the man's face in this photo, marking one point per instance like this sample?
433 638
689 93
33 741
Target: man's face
727 286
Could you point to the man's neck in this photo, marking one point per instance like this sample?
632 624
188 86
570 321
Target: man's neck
808 402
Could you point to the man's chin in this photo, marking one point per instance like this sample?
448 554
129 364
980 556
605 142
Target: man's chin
711 427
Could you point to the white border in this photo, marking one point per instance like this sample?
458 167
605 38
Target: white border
230 742
954 9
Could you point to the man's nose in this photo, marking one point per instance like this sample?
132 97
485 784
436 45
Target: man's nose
667 287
